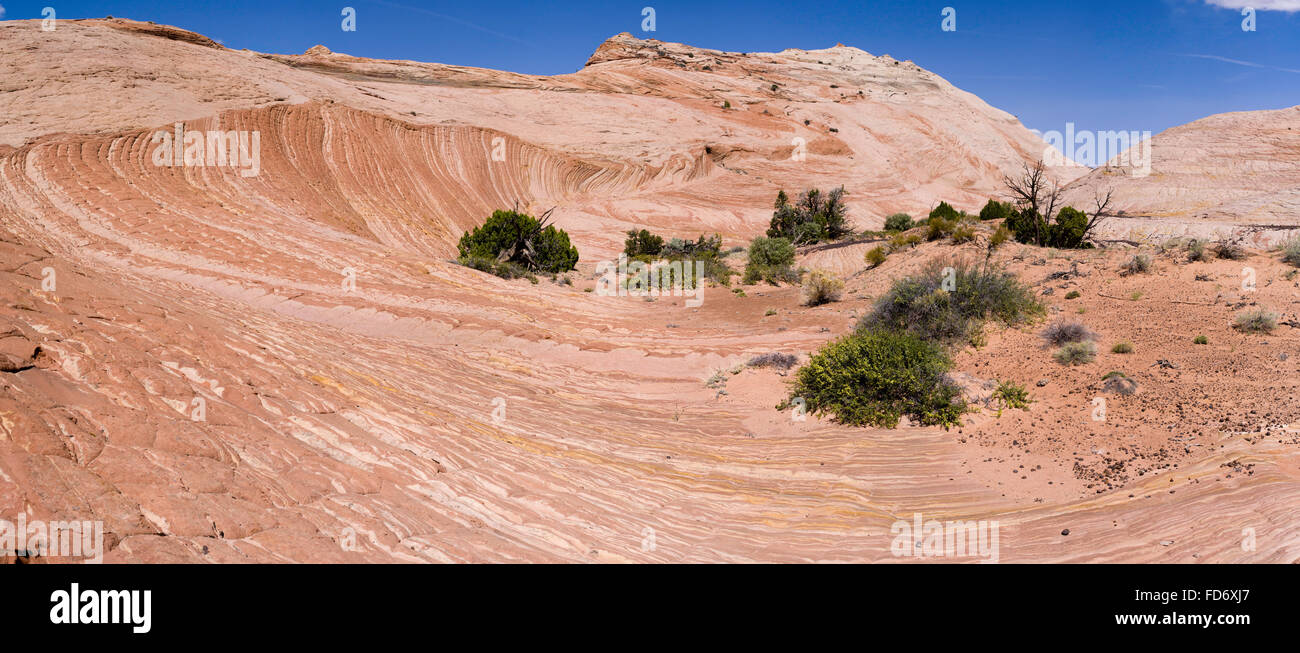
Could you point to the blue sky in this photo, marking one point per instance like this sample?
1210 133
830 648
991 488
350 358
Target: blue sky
1100 64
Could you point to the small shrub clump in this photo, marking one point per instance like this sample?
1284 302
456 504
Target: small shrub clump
1201 340
1230 251
898 222
1291 252
963 234
1060 333
939 227
1137 264
874 378
770 260
946 212
1257 320
702 247
996 210
1196 251
1118 382
1122 348
902 241
876 256
642 243
1076 353
503 269
812 218
1000 236
519 240
1071 228
1073 294
821 288
1010 395
774 359
949 303
646 247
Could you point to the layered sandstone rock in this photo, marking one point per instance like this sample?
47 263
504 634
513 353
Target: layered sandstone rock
1232 175
285 366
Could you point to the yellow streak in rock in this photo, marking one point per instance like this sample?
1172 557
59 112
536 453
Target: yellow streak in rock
375 382
330 383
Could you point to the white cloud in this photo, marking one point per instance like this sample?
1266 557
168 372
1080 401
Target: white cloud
2 11
1261 5
1239 62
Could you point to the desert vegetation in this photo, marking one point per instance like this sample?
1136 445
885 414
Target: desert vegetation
896 362
1076 353
707 250
902 241
1009 395
1036 198
511 244
642 243
938 225
898 222
876 377
1118 382
813 217
1229 250
770 260
995 210
1136 264
999 237
1258 320
949 303
1060 333
821 288
1291 252
944 211
774 359
875 256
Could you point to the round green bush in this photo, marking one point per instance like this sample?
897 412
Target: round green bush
1070 229
898 222
996 210
770 260
524 241
875 377
771 252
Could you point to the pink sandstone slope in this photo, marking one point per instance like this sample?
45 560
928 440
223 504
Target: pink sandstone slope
1232 175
